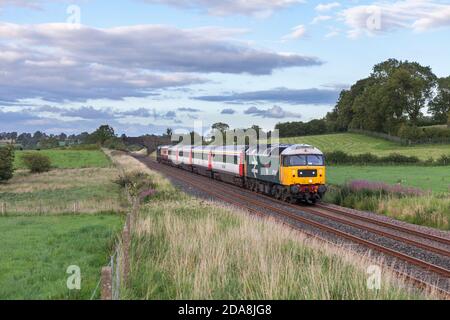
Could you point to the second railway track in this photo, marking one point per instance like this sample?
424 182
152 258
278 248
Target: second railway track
428 245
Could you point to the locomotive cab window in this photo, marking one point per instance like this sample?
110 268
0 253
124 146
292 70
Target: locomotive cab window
315 160
303 160
295 161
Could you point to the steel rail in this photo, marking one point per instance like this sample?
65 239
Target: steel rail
387 225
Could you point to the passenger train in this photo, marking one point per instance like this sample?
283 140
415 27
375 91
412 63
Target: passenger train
290 173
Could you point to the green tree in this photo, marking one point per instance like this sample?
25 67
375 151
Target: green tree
6 162
409 84
395 93
102 134
49 143
222 127
36 162
440 107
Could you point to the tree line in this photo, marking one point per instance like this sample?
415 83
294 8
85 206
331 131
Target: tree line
398 98
41 140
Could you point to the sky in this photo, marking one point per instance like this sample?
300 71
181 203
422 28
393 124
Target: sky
143 66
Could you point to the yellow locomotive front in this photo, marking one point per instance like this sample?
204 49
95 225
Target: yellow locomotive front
303 171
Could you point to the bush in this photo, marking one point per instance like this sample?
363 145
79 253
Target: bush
6 162
411 133
338 157
395 158
137 184
444 160
84 147
115 144
341 158
37 163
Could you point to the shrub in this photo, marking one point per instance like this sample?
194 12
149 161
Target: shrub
138 184
338 157
408 132
444 160
37 163
84 147
396 158
341 158
115 144
6 162
365 158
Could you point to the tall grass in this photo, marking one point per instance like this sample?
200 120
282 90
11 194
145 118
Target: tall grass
402 203
186 248
62 191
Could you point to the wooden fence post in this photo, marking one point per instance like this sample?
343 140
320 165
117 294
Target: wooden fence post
3 210
126 250
106 283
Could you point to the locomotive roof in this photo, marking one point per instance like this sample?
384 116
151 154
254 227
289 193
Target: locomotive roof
301 149
284 149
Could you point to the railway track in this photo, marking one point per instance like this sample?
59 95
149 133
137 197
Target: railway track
253 203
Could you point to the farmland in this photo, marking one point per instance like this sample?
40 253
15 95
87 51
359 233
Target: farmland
40 249
69 159
358 144
426 178
50 221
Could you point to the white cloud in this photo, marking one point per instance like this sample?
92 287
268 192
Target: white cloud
276 112
297 33
231 7
327 6
320 19
417 15
32 4
57 62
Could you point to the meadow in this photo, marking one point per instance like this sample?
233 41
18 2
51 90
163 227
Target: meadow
62 191
357 144
187 248
50 221
435 179
36 252
69 159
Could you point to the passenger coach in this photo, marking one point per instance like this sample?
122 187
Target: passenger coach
287 172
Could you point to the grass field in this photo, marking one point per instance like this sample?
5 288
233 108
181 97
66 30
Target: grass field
357 144
186 248
36 252
68 216
436 179
90 190
69 159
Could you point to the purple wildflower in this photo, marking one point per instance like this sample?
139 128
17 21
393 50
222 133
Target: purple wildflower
147 193
359 185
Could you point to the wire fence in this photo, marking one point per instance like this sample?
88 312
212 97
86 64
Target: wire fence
116 274
39 207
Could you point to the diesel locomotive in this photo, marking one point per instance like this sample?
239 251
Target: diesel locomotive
287 172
